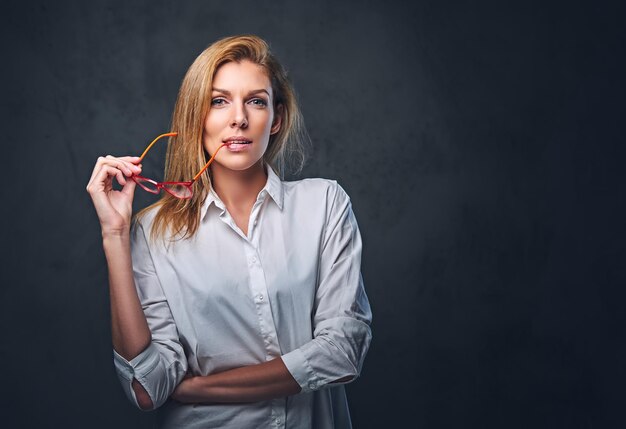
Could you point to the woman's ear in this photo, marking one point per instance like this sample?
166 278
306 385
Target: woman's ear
278 119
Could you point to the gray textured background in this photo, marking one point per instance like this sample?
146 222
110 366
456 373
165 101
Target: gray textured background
481 143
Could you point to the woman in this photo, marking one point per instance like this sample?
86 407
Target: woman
236 299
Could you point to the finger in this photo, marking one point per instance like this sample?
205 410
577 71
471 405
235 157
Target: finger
129 188
104 178
120 178
102 184
98 179
128 164
131 159
126 167
96 170
107 160
132 162
113 171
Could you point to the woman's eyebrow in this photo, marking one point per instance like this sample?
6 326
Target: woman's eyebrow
255 91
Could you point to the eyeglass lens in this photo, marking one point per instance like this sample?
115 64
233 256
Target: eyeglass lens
178 190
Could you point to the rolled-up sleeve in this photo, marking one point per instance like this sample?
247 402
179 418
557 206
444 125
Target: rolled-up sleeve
162 365
342 314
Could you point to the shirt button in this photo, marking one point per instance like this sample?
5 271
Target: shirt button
255 221
277 421
260 297
312 385
253 260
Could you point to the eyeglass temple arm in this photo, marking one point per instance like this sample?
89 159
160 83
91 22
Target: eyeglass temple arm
207 164
153 142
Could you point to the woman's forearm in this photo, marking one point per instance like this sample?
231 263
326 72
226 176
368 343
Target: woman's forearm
129 328
253 383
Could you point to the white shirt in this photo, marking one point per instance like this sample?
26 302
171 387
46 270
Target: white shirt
291 288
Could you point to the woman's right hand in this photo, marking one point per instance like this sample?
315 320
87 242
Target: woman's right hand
114 207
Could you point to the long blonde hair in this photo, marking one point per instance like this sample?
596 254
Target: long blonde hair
185 152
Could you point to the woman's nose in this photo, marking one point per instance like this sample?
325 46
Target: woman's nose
240 118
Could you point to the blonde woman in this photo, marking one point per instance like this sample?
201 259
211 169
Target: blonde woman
236 299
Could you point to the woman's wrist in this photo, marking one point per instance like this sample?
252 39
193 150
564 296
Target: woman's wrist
193 390
115 235
113 241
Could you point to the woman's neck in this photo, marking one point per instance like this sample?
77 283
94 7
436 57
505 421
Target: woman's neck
238 190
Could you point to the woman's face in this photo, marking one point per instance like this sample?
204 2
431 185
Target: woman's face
241 110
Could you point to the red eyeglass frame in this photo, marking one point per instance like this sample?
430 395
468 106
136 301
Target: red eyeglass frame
165 185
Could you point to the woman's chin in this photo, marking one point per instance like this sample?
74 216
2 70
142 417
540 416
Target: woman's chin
239 163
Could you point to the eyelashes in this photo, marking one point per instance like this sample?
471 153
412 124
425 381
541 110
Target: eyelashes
220 101
259 101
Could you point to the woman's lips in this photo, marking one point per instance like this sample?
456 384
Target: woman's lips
237 147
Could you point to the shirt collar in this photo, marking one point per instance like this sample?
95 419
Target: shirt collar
273 187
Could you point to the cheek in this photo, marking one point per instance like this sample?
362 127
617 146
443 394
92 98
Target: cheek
212 121
265 122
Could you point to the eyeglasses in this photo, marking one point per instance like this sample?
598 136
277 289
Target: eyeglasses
182 190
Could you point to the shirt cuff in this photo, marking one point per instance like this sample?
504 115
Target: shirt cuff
138 367
301 370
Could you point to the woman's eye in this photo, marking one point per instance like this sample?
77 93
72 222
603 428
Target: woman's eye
259 102
217 102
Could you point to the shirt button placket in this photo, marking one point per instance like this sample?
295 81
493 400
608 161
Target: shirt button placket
262 301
